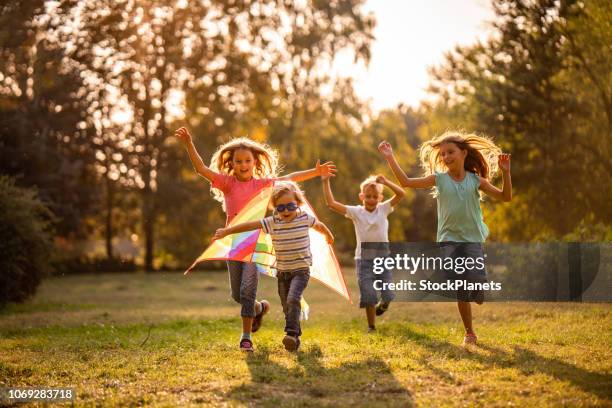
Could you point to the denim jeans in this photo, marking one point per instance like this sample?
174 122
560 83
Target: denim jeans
291 286
243 279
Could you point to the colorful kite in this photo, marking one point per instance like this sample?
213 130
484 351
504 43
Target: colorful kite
256 246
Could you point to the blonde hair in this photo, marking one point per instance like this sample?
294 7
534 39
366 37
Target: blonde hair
266 160
481 156
287 187
371 182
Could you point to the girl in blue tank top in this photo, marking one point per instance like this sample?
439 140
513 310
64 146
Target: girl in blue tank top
459 167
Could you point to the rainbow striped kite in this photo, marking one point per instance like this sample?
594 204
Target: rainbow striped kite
256 246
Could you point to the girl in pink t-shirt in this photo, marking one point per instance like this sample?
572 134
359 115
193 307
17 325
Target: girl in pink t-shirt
240 169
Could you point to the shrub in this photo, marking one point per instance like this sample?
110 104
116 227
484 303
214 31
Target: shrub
25 241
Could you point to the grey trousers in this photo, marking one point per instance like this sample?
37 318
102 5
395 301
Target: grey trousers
243 279
291 285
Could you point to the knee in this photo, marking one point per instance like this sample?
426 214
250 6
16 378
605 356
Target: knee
293 301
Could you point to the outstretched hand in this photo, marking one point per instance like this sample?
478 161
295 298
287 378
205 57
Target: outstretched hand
503 161
220 233
385 148
183 135
326 170
381 179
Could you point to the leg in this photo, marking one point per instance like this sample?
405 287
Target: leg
367 294
235 279
387 295
243 279
297 285
283 281
248 292
465 310
371 316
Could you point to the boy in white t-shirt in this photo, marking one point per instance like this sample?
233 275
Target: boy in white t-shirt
371 225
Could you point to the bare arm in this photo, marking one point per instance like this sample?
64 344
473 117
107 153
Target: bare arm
245 226
399 192
325 169
322 228
419 182
183 135
329 198
505 194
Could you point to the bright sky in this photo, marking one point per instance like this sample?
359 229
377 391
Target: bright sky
410 36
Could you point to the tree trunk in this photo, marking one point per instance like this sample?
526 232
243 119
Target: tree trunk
109 217
148 218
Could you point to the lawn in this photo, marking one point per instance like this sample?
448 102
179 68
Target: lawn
164 339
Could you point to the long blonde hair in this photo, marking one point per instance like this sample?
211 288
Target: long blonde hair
481 159
266 161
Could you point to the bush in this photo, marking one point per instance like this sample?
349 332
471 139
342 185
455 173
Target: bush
25 241
82 264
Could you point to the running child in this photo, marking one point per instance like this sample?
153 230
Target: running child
288 227
238 171
460 166
371 225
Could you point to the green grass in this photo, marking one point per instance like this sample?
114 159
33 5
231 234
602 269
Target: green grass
167 340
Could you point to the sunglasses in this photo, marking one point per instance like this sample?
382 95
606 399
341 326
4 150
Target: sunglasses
289 207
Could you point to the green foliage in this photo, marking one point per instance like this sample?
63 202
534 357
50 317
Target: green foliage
25 241
540 87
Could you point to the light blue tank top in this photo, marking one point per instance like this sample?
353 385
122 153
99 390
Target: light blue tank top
459 212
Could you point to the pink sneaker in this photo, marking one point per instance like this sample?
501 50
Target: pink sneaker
246 345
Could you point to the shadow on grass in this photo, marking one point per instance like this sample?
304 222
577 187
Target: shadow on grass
309 383
527 361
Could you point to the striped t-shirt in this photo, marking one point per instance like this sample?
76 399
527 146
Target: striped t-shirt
291 240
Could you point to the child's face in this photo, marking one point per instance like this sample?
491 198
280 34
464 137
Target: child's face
243 164
285 199
452 156
370 197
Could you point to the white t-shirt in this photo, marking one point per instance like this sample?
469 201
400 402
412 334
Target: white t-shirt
370 226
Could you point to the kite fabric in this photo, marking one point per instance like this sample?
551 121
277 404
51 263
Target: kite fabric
256 246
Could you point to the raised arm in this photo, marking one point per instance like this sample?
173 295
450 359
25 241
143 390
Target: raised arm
184 136
322 228
325 169
331 203
505 194
399 192
245 226
419 182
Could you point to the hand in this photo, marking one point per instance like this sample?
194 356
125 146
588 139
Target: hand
381 180
503 161
183 135
220 233
326 170
385 148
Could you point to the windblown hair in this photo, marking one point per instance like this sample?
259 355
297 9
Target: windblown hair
481 156
266 160
287 187
371 182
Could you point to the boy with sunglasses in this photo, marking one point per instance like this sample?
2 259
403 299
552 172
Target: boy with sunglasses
288 228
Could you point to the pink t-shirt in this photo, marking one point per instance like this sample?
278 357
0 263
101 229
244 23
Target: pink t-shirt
238 193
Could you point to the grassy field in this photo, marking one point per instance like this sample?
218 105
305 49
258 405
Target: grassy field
165 339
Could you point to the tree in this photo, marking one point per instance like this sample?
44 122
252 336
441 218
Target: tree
223 53
43 141
525 86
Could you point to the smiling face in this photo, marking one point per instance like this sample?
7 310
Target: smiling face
452 156
285 199
370 197
243 164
